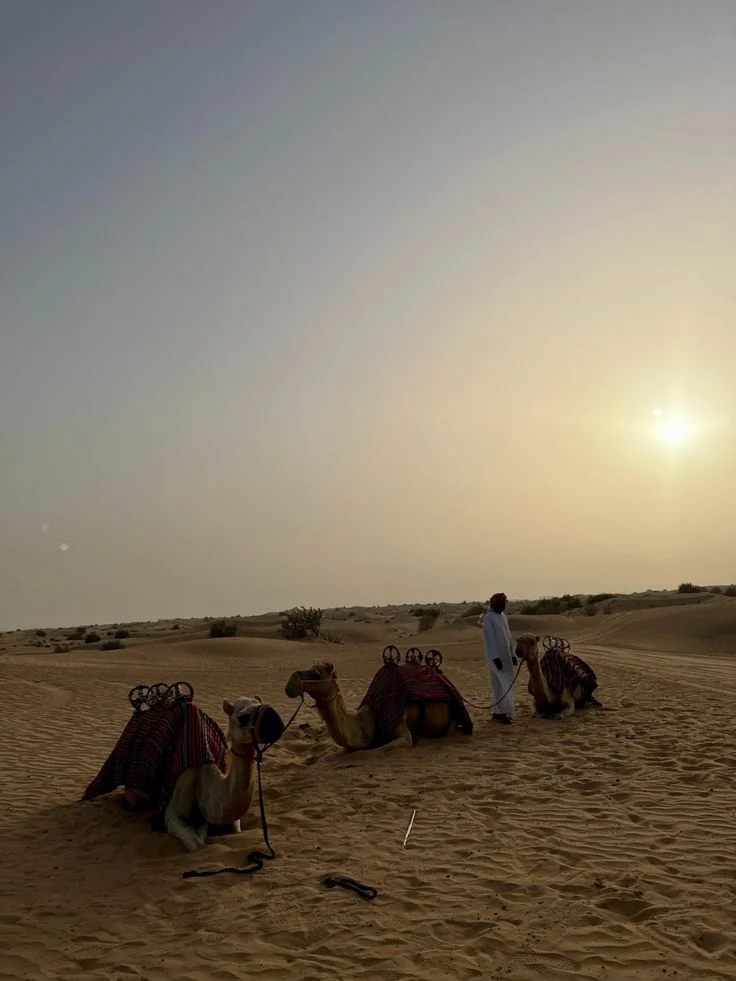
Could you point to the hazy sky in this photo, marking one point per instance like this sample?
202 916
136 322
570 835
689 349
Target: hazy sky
362 302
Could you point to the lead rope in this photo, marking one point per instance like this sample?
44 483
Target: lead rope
255 858
345 882
498 701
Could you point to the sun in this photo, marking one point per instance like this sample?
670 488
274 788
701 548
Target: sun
674 431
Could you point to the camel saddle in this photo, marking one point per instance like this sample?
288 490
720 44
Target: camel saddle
394 685
562 670
155 748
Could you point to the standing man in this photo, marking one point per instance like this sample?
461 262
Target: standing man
499 651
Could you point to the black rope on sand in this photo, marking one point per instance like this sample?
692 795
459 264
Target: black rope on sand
345 882
254 858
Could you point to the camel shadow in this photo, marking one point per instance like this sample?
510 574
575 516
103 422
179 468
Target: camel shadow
82 842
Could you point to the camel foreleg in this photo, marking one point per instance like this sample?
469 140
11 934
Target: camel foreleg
402 739
185 833
180 807
568 707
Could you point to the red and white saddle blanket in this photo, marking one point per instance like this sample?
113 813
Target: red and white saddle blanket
396 684
561 669
155 748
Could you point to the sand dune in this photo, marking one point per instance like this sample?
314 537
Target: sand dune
597 847
706 629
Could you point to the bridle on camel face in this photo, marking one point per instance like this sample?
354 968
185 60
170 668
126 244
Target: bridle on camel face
315 686
525 647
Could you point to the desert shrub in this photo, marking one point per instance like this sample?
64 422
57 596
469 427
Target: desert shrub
729 591
552 605
221 628
91 638
600 597
427 616
40 633
175 626
330 637
571 602
689 587
111 645
474 610
61 649
302 623
717 590
122 634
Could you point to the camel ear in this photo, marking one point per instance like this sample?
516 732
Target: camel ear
258 699
330 667
227 708
537 638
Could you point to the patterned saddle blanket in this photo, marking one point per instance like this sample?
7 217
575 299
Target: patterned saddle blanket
561 669
396 684
155 748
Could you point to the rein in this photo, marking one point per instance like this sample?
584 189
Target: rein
256 858
499 700
367 892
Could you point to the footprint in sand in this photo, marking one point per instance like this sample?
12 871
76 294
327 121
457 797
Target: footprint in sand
636 910
711 942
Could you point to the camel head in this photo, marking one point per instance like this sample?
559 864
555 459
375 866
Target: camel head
526 647
242 715
318 680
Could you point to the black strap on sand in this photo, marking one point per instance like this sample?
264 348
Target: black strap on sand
345 882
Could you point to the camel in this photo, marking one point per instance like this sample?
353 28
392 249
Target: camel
548 704
359 730
204 795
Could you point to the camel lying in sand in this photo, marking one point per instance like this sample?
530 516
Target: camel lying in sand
549 704
205 795
360 729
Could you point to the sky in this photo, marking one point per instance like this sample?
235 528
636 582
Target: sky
357 303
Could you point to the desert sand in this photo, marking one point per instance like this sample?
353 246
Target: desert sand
601 846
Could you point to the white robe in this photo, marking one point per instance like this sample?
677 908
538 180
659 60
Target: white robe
498 642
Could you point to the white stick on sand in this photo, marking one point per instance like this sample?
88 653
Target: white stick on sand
408 830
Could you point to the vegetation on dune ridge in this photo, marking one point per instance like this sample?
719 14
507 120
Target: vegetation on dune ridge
305 623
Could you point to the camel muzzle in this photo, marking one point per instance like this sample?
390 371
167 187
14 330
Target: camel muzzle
293 688
268 726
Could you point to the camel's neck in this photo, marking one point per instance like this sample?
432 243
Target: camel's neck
542 694
351 730
239 782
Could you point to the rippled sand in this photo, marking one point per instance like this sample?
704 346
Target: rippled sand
597 847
